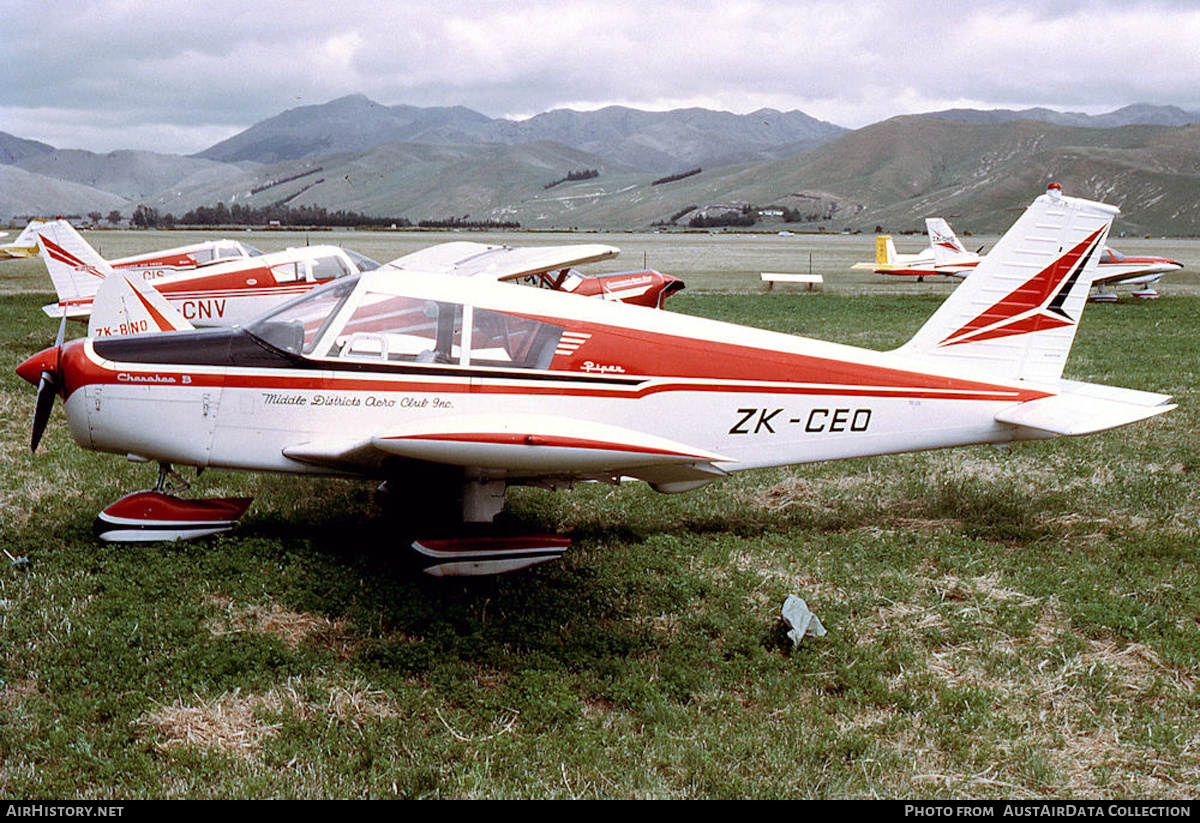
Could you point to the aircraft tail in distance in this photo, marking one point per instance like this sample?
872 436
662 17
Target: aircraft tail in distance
76 269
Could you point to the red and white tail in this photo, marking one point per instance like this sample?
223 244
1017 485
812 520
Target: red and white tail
75 267
127 305
947 248
1015 317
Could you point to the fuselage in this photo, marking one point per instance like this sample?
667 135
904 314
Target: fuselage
1117 269
185 258
230 293
240 398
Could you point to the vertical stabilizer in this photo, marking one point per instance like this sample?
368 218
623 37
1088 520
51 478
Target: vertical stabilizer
126 305
947 248
28 235
75 267
1015 317
885 251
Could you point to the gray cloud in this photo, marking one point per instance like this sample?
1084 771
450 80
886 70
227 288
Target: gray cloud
178 76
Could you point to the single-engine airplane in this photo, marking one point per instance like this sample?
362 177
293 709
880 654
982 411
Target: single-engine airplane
185 258
149 264
25 244
548 267
1142 271
217 294
946 256
463 386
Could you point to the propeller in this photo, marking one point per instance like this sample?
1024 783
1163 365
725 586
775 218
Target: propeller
48 383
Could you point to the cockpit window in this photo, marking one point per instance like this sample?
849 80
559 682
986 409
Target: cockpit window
287 272
328 268
296 326
400 328
338 321
571 281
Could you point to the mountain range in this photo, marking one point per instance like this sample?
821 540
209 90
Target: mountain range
642 168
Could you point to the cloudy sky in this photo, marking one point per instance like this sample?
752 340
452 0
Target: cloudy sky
173 76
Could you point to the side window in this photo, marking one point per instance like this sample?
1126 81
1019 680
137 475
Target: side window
202 256
499 339
401 329
287 272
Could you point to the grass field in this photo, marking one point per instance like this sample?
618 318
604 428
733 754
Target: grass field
1021 624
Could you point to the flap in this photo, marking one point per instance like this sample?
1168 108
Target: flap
523 444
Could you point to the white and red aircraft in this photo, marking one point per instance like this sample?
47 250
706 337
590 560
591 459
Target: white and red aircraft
946 256
218 293
1117 269
465 386
548 267
149 264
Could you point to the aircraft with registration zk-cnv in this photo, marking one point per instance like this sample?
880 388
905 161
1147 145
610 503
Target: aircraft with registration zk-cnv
461 387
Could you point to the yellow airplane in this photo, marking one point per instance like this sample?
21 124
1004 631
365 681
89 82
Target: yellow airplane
26 244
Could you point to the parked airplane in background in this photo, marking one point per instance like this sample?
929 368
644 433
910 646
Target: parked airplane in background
25 245
233 292
454 388
185 258
544 267
946 256
217 294
1118 269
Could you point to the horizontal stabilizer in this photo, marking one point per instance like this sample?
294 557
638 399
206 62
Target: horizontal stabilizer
1085 408
73 312
467 259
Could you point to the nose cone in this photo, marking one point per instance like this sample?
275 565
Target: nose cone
45 360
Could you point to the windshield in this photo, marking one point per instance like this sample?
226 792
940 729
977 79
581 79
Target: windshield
361 261
296 326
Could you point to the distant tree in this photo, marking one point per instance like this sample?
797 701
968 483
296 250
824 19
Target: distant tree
144 217
671 178
94 216
114 217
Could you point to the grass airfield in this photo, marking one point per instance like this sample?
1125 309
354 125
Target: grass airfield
1020 624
